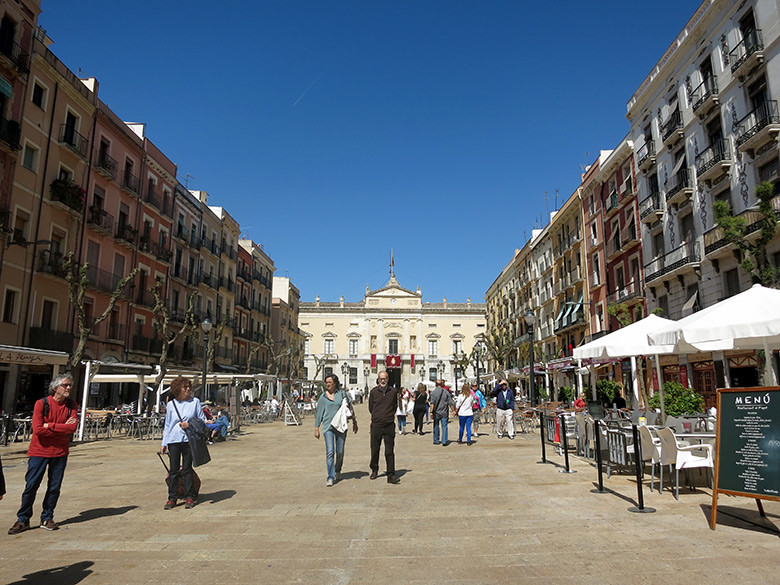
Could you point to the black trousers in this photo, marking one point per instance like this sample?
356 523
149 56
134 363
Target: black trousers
379 433
180 458
419 417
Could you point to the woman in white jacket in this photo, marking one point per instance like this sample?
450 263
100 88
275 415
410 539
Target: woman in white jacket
464 406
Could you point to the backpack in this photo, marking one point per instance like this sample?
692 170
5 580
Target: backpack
69 402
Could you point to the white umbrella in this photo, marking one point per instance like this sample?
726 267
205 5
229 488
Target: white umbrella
749 320
629 341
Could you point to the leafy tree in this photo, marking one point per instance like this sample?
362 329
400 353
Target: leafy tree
567 393
78 281
754 256
606 390
499 347
678 400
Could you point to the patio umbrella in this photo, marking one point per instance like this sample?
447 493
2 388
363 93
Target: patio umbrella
749 320
630 341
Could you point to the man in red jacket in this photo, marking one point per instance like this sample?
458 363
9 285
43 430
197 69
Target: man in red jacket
54 420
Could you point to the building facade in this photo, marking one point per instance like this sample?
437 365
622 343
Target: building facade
393 329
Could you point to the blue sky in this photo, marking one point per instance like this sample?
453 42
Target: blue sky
337 130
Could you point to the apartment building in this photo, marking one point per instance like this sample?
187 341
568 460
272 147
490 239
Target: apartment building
262 270
285 313
704 125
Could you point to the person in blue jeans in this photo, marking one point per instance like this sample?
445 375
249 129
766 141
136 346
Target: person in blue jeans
328 405
441 403
464 407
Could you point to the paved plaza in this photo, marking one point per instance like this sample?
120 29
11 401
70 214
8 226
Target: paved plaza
486 513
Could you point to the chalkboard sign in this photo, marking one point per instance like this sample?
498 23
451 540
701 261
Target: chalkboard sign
748 445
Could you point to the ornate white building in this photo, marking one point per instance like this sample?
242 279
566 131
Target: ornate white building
393 329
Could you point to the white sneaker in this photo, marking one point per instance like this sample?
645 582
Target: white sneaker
329 483
500 436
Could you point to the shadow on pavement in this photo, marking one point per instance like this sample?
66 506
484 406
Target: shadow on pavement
96 513
68 575
743 518
353 475
215 497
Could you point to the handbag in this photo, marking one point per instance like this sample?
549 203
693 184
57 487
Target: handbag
339 421
181 492
197 436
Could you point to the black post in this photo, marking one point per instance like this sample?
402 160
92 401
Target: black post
638 460
565 446
204 394
542 431
531 386
598 454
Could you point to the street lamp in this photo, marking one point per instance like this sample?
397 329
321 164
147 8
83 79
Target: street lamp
206 326
530 319
345 372
478 356
366 373
440 369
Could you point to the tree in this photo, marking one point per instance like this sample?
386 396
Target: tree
216 336
166 331
77 278
753 251
500 346
319 363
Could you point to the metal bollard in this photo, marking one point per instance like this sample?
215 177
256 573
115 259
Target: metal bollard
565 446
542 431
600 489
638 460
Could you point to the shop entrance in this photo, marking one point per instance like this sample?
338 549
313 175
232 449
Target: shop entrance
394 377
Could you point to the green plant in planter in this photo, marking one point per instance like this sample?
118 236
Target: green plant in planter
566 393
678 400
68 192
606 390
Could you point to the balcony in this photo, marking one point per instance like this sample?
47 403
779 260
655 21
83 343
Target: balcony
100 219
10 133
685 257
68 194
145 297
612 204
705 96
672 130
758 127
194 241
243 302
162 253
146 344
126 234
714 161
177 315
182 233
632 290
130 182
646 156
748 53
715 239
106 165
102 279
650 209
575 276
74 140
152 198
595 280
14 53
226 283
614 247
51 263
115 331
680 188
45 338
209 280
180 272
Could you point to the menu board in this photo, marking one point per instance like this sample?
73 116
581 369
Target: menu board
749 442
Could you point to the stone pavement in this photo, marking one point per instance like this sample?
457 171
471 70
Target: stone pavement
487 513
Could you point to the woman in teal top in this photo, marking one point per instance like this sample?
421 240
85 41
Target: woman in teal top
328 405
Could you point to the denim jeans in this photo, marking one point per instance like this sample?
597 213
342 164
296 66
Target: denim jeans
401 423
334 451
36 467
465 423
436 422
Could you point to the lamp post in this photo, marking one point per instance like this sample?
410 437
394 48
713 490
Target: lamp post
206 326
345 372
366 373
530 319
478 356
440 369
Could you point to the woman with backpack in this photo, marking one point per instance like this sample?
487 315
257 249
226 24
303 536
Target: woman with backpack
420 407
479 405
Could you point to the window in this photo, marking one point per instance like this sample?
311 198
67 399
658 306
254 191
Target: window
433 348
413 342
686 228
307 346
353 347
353 375
731 282
9 307
39 94
392 346
658 245
30 158
433 374
21 223
48 315
328 346
327 371
457 346
663 304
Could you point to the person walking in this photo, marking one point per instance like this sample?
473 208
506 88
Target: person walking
505 409
181 409
55 418
382 404
464 407
402 409
328 405
479 407
420 407
441 403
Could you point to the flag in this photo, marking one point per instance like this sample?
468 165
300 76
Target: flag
412 361
373 360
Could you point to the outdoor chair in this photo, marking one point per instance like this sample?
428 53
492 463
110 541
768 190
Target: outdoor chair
682 456
651 452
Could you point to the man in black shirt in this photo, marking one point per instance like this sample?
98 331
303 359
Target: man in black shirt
382 404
